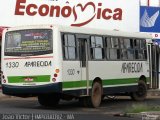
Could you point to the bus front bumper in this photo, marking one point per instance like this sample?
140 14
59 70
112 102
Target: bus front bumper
25 91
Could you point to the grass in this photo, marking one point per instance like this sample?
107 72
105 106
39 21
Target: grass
137 108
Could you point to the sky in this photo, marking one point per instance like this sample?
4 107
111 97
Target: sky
152 2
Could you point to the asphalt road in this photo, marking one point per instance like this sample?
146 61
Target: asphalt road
24 108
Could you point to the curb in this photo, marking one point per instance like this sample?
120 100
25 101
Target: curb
151 115
129 115
137 115
154 92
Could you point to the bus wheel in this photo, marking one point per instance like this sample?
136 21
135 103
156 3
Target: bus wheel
96 96
48 100
141 93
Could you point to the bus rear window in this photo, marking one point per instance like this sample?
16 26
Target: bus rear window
28 42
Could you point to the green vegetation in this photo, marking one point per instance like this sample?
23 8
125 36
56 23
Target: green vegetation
137 108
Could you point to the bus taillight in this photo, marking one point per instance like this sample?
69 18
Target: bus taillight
55 75
4 81
57 70
54 79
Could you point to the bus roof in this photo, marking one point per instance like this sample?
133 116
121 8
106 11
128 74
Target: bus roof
115 33
84 30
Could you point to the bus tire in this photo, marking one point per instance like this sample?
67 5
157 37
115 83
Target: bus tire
48 100
95 99
96 95
141 94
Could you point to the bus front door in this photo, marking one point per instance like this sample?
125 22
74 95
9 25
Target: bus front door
154 65
83 56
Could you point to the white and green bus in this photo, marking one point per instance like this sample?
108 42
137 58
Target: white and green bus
56 62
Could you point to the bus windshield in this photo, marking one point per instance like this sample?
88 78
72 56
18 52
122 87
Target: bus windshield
28 42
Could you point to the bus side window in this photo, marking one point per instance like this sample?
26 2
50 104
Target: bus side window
136 47
140 49
143 49
123 49
130 50
127 50
115 49
96 48
69 47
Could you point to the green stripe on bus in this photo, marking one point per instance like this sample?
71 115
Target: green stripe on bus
107 82
21 79
74 84
120 81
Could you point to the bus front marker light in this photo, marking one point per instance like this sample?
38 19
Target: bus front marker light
54 79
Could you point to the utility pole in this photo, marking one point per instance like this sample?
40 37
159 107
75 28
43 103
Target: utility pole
148 2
